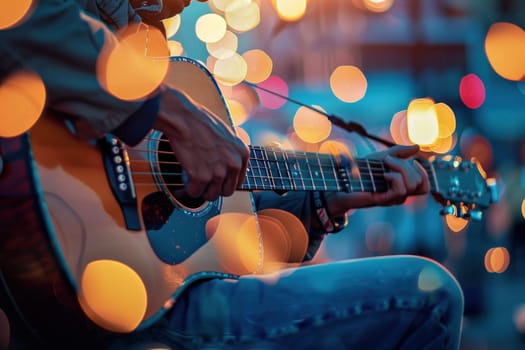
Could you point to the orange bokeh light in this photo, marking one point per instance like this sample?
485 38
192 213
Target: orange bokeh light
311 126
22 101
15 12
136 65
348 83
504 50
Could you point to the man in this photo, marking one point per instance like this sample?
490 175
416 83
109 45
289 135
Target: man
363 304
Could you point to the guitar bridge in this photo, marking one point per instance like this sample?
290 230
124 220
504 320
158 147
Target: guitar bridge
116 164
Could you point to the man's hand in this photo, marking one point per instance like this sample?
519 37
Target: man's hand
213 158
406 177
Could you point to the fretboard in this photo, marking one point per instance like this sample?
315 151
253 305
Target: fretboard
285 170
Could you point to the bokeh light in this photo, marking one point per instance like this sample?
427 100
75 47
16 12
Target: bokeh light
497 260
275 84
378 5
290 10
230 71
22 101
243 16
175 48
237 111
446 120
504 50
348 83
456 224
234 237
15 12
472 91
210 27
260 65
422 121
225 47
475 146
113 295
310 125
171 25
519 318
294 229
131 70
429 279
379 237
399 128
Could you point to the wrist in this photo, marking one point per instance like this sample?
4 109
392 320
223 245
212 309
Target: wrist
330 223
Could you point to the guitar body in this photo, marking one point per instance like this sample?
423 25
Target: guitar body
59 214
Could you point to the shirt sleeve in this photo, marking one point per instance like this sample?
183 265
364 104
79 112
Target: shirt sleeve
61 43
301 204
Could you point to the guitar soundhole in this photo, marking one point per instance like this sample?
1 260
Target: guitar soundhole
171 174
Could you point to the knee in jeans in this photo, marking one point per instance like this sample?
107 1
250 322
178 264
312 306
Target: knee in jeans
436 278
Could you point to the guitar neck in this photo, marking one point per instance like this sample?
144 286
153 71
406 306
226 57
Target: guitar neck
285 170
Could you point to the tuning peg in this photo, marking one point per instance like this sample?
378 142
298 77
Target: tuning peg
450 209
476 215
493 189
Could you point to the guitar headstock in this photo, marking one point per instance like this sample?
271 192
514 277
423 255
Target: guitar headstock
462 186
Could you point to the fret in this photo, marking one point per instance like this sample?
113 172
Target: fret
293 184
329 169
320 167
296 171
359 177
265 172
304 171
279 170
371 176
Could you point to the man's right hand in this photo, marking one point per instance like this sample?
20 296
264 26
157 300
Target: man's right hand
213 158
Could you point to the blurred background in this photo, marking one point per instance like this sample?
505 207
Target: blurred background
445 74
448 75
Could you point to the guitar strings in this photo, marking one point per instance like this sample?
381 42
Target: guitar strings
368 168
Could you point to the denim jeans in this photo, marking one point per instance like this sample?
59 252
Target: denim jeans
396 302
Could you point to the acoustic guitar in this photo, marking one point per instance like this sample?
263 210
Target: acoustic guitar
69 207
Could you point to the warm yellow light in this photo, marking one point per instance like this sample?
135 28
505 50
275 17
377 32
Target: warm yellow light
15 12
237 111
171 25
446 119
504 49
230 71
260 65
429 279
235 238
378 5
348 83
290 10
422 122
22 100
175 48
131 70
225 47
210 28
221 5
244 17
113 295
399 128
523 208
311 126
443 145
